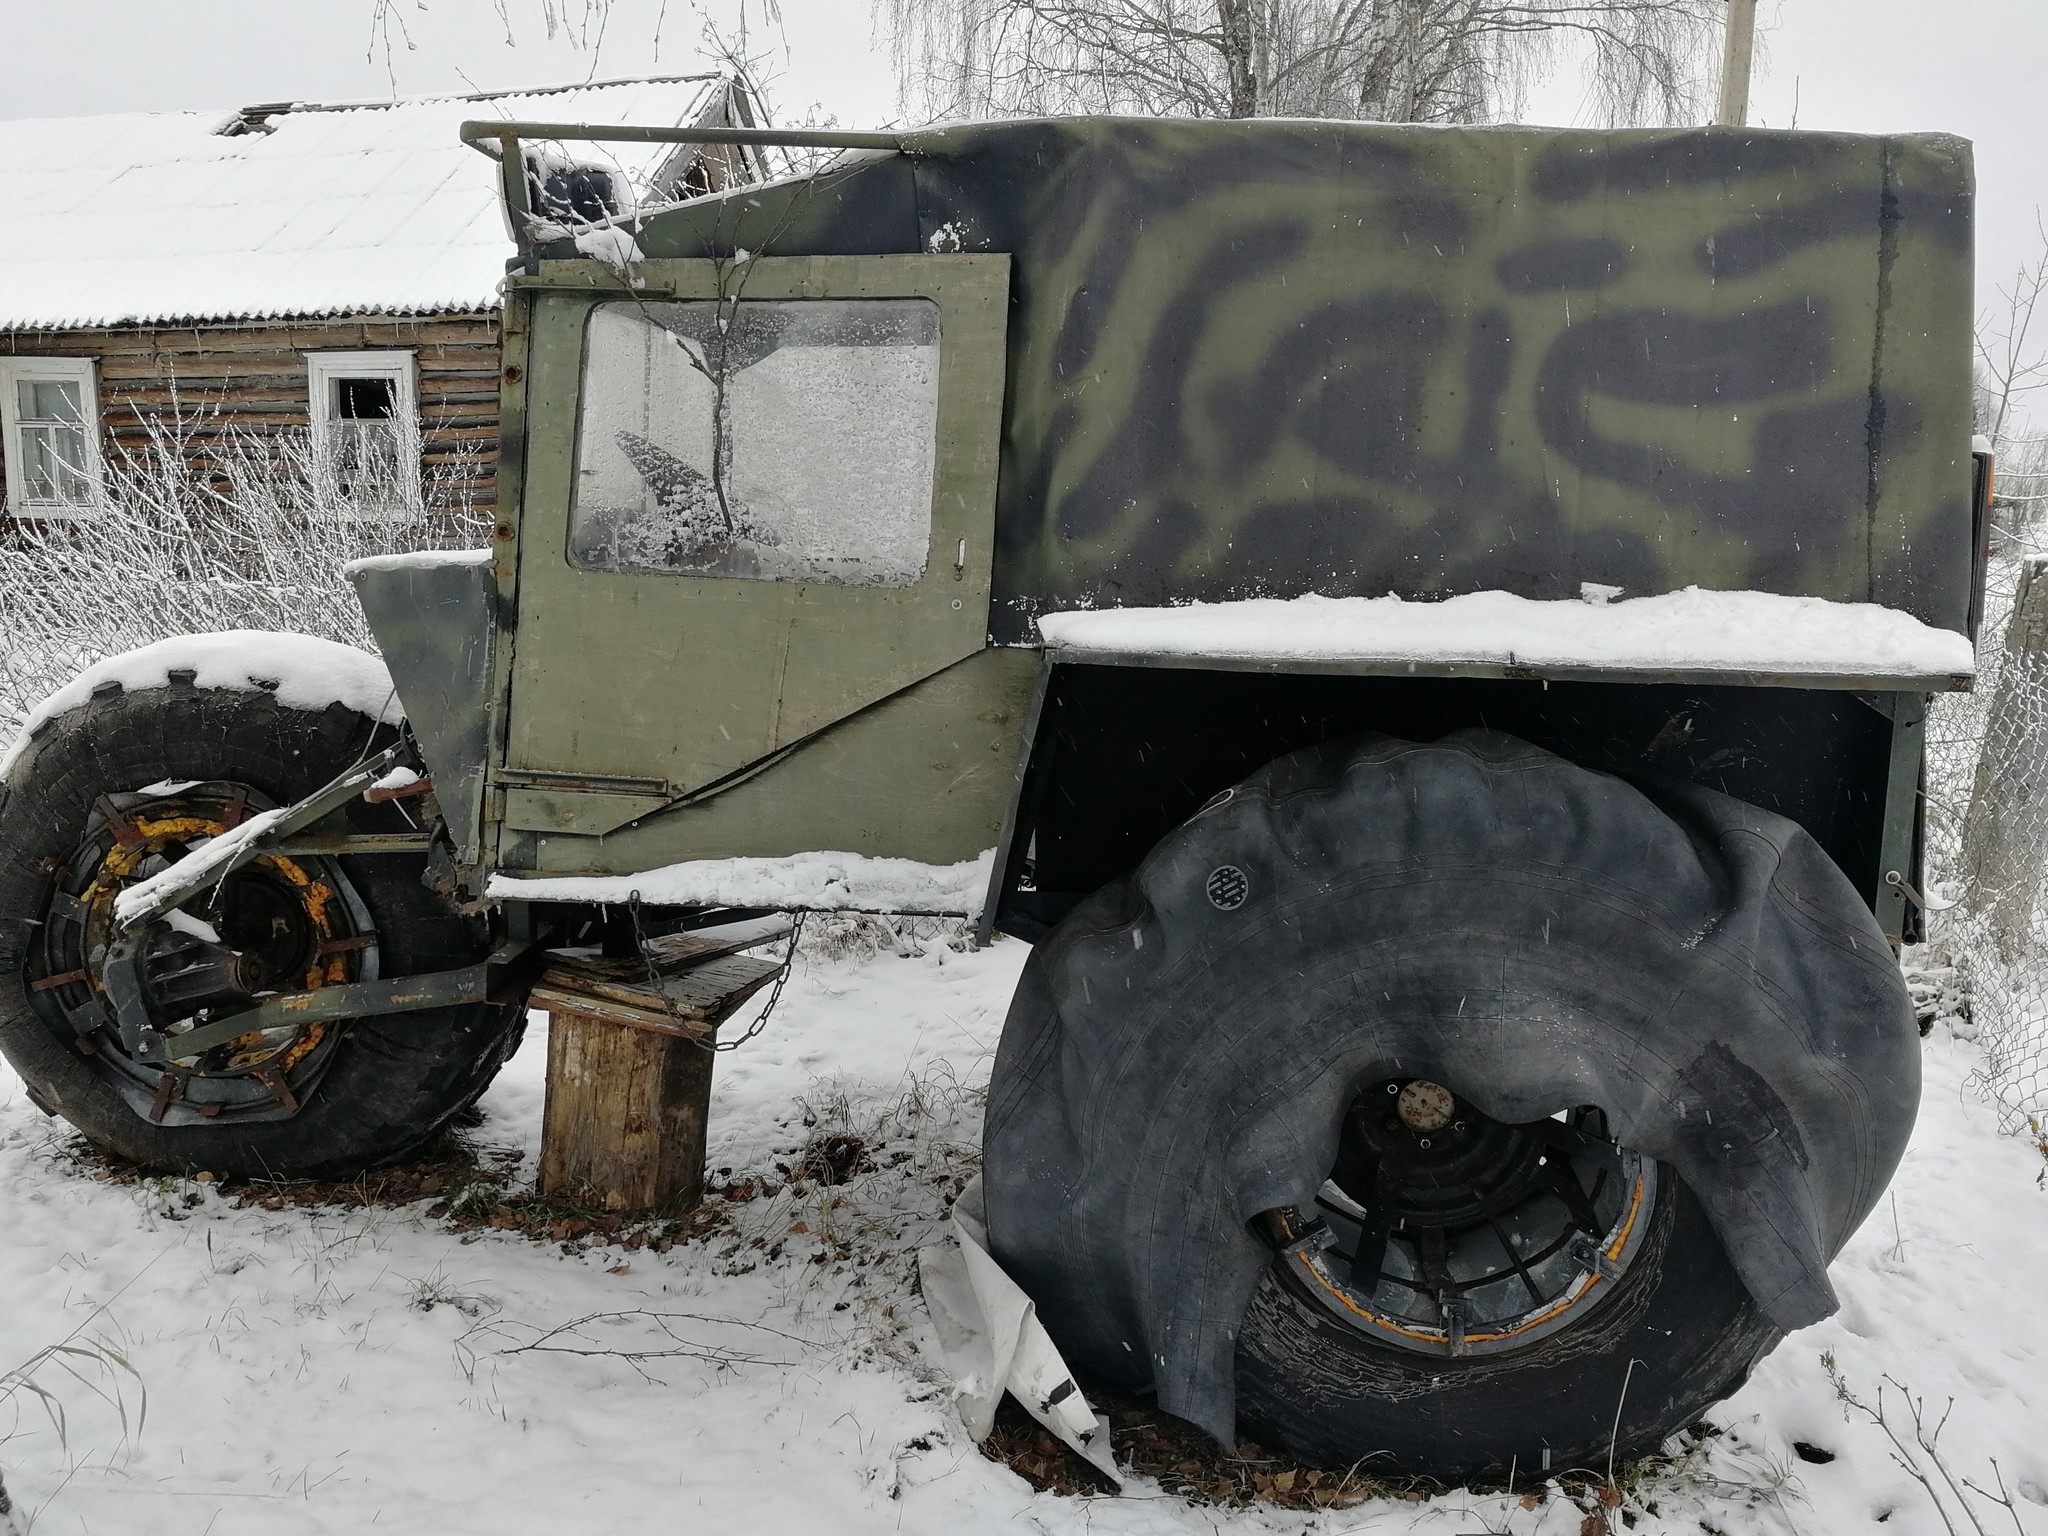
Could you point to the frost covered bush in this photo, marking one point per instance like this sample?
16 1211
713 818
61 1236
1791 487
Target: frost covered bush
204 528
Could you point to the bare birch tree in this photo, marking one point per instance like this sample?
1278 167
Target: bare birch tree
1410 61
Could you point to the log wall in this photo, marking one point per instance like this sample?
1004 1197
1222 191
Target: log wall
251 376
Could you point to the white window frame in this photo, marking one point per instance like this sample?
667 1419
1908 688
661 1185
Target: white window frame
398 364
83 371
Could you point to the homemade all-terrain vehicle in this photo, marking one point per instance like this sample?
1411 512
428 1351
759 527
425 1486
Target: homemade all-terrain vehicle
1427 631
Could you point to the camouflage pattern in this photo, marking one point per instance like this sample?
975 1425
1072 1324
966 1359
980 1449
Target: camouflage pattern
1276 357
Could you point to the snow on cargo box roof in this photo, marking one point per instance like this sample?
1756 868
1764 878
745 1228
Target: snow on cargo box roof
296 210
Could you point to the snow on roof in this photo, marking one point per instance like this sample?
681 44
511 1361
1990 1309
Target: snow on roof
374 207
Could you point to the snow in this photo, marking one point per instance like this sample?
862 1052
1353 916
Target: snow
824 882
416 560
213 854
303 671
610 244
345 1369
1686 631
377 207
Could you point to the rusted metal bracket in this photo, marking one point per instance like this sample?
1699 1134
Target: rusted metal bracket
503 977
315 842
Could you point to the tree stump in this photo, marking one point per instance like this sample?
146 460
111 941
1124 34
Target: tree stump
630 1052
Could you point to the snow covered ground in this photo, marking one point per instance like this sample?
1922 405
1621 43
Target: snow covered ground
239 1370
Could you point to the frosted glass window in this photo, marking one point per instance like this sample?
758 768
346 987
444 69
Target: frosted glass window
53 443
778 440
49 436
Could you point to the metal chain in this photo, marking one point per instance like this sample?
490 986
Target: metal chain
640 943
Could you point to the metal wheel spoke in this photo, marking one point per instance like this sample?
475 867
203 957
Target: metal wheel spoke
1432 1253
1558 1177
1507 1247
1369 1257
1572 1141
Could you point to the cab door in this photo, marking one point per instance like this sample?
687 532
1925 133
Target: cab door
757 497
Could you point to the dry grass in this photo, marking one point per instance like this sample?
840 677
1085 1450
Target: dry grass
1187 1463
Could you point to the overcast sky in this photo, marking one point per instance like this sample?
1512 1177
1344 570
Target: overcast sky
1973 67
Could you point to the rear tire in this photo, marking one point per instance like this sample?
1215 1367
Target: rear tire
1169 1154
362 1093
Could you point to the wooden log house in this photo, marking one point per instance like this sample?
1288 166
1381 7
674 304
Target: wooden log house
285 268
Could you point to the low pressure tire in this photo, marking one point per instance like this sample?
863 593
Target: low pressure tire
1382 1113
129 782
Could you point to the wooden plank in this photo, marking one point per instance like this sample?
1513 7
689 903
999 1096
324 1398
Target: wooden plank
158 395
696 945
214 368
560 1000
704 994
224 416
274 363
458 389
344 333
158 391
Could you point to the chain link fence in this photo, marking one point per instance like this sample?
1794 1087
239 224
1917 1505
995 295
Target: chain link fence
1986 959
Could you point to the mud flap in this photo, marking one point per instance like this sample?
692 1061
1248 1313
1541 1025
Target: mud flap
992 1342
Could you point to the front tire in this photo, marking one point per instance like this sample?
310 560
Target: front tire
118 787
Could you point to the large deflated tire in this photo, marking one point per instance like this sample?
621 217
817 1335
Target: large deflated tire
1184 1052
376 1088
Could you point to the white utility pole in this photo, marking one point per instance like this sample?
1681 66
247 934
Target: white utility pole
1741 43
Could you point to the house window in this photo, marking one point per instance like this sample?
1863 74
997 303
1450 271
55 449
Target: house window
49 435
366 441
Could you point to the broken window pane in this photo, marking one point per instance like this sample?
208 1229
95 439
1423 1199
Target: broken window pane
364 399
369 448
783 440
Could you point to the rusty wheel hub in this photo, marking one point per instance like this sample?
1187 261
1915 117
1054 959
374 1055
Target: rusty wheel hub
1443 1231
278 924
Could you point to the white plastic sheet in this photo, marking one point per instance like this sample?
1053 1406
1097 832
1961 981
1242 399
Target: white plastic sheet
993 1342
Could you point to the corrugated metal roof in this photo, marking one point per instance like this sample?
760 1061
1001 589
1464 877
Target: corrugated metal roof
377 207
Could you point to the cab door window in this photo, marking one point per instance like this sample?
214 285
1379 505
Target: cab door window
771 440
